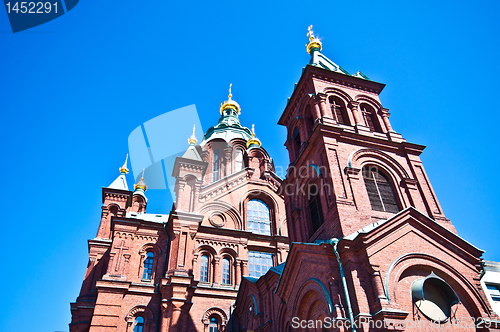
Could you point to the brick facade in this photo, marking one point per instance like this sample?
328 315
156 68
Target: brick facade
354 259
215 181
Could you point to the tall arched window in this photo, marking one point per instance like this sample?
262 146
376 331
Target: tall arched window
214 325
258 217
216 165
297 142
148 266
315 210
226 272
309 120
238 160
204 269
370 117
139 324
339 110
380 191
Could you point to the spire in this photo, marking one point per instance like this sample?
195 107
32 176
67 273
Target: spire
141 186
314 43
191 152
124 169
192 140
314 47
121 180
254 140
230 103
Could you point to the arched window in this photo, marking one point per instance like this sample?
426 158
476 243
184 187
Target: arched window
315 210
296 137
339 110
297 142
148 266
379 190
238 160
258 217
204 269
309 120
226 272
139 324
214 325
370 117
215 165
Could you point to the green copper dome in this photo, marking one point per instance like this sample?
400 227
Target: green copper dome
228 128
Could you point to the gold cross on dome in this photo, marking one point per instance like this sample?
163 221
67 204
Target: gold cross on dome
230 94
310 33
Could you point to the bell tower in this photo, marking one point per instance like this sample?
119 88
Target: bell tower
348 167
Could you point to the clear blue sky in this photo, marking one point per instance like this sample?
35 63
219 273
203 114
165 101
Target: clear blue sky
73 89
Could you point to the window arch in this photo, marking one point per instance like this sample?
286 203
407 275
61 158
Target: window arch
258 217
380 190
238 160
339 111
214 325
139 324
215 165
296 142
309 120
370 117
315 210
204 268
148 266
226 271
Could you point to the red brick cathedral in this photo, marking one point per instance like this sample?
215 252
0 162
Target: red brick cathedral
370 247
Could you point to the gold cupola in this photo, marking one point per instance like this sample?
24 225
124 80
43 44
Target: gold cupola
192 140
124 169
314 43
254 140
230 103
141 184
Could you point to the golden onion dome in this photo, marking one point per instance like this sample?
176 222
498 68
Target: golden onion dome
230 103
313 41
141 184
254 140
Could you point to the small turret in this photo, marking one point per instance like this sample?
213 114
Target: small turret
121 180
253 142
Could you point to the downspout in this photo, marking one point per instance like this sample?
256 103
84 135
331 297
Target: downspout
163 274
334 242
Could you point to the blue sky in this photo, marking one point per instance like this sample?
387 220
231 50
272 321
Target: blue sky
73 89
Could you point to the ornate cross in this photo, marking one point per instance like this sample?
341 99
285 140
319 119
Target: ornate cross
121 249
310 32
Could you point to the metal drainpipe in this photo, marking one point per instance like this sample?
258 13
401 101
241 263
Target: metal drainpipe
163 275
334 242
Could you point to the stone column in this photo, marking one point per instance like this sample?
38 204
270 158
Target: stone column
317 112
385 117
216 271
180 191
196 196
358 117
325 111
244 268
377 282
237 266
228 153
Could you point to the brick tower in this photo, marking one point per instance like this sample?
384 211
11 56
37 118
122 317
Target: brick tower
371 248
182 271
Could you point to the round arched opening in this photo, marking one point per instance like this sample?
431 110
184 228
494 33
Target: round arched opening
434 298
